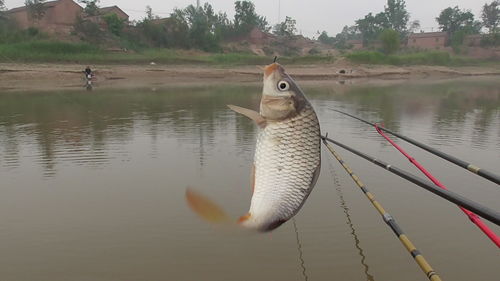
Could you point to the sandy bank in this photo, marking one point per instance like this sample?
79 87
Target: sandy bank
18 77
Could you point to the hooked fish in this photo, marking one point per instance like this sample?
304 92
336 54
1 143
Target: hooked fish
287 156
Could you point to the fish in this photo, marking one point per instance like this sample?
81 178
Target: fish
287 159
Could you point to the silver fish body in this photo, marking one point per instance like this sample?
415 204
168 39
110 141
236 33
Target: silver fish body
287 162
287 156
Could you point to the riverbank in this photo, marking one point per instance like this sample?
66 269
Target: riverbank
20 77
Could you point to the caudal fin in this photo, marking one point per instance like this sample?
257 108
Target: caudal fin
206 208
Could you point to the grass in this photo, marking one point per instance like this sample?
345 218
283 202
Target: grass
61 52
416 58
64 52
40 51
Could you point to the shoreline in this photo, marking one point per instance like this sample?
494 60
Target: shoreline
30 76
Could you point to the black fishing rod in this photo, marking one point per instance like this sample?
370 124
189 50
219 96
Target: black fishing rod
389 220
468 166
485 212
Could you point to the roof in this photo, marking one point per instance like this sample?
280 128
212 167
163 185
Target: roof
105 10
161 20
428 34
22 8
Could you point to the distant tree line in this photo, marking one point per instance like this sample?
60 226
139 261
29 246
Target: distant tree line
393 25
190 27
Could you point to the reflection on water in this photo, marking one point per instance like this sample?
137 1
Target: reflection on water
93 184
345 208
299 249
91 128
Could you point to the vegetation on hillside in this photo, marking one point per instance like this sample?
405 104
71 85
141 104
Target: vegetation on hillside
50 51
202 28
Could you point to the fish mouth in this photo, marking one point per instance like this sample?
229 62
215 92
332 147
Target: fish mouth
270 69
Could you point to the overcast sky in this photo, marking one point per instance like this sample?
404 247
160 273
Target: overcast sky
311 15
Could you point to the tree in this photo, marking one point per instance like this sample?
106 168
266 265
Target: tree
453 19
347 33
491 16
246 18
285 28
371 26
397 16
2 11
200 25
36 9
390 41
414 26
325 39
149 14
91 7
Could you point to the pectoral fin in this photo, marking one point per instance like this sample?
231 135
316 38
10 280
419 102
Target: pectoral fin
252 114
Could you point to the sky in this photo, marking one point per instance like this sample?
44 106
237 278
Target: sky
311 15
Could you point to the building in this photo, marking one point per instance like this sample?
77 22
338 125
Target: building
427 40
356 44
59 17
473 40
107 11
114 10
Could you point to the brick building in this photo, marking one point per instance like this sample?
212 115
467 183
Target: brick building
59 17
427 40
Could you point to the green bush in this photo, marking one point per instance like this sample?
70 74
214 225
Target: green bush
114 23
88 31
390 41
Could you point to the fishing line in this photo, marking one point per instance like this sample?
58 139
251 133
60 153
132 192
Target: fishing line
388 219
299 248
343 205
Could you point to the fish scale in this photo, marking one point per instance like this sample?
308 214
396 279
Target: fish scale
286 157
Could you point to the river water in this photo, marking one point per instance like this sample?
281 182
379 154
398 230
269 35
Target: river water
93 183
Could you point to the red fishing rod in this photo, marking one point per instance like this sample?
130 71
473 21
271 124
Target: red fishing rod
472 216
468 166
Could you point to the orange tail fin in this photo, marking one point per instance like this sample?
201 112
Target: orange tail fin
206 208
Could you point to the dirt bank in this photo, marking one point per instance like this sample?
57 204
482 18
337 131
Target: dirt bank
18 77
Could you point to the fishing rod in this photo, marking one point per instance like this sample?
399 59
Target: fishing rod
468 166
485 212
473 217
389 220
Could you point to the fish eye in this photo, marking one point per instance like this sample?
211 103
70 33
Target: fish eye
283 86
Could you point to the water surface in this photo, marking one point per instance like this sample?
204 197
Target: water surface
93 185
